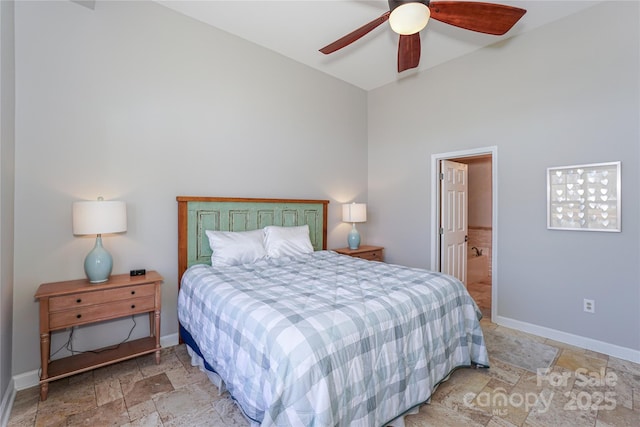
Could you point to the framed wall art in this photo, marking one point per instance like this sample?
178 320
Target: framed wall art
584 197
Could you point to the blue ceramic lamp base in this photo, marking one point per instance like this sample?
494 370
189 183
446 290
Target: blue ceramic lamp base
354 238
98 263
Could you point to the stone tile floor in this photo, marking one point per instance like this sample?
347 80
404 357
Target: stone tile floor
583 388
481 293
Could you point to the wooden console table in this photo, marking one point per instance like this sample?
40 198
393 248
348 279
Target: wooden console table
77 302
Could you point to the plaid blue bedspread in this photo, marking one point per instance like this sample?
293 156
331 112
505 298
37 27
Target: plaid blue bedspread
329 340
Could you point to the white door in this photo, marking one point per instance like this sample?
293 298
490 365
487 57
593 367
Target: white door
453 219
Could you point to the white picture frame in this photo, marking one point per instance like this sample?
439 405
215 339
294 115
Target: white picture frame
584 197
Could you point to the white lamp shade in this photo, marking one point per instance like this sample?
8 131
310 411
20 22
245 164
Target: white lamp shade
409 18
99 217
354 212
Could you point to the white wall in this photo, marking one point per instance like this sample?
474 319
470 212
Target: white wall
565 94
135 102
7 150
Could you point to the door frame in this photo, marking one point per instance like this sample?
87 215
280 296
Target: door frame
435 212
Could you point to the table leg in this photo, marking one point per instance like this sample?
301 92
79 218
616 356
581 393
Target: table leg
45 348
152 324
44 391
157 332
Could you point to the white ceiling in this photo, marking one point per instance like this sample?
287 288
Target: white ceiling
298 28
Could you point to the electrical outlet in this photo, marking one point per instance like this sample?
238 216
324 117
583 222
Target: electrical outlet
589 305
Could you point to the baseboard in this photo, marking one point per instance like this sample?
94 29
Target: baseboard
26 380
7 403
169 340
571 339
32 378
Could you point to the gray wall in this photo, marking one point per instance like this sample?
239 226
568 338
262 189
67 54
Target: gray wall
7 150
565 94
135 102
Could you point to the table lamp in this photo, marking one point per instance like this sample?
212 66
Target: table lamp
99 217
354 212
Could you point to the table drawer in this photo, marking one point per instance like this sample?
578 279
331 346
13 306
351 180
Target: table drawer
371 256
98 296
93 313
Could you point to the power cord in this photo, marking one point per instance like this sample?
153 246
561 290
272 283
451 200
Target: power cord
69 344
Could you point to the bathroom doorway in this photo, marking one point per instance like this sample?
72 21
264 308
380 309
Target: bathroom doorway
481 232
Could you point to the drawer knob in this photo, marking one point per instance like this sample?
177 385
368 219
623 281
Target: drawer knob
79 300
133 292
133 306
78 316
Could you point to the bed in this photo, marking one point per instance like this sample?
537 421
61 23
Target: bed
310 337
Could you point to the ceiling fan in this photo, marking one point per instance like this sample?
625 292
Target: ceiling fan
408 18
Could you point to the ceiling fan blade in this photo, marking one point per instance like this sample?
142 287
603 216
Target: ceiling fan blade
408 52
355 35
486 18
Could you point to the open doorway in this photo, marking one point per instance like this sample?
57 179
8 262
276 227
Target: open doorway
480 260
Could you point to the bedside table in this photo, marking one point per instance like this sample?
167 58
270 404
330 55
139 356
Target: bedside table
372 253
77 302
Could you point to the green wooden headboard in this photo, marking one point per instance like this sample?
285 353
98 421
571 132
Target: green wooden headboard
197 214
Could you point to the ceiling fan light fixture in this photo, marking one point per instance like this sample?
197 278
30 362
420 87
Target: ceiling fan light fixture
409 18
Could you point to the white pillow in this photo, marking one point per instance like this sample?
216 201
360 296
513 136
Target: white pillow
287 241
236 247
